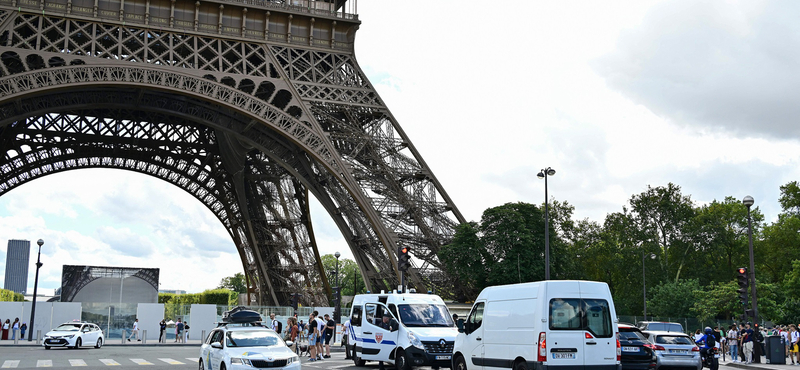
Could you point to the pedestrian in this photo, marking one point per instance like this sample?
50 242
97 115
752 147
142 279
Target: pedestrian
390 324
6 327
312 338
319 331
733 343
135 331
794 354
293 333
185 331
14 328
274 323
179 331
787 341
346 338
741 343
330 328
747 343
162 333
22 329
698 335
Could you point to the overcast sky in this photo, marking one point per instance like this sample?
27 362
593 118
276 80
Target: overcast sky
615 96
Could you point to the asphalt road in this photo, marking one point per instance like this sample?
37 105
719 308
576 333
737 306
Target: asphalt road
137 357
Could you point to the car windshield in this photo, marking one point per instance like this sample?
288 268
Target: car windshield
631 335
424 314
674 339
69 327
252 339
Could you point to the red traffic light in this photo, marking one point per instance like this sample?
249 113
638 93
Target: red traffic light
404 250
742 270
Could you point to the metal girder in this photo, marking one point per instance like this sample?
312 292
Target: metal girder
260 124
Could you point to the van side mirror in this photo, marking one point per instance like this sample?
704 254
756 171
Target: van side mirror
216 345
460 325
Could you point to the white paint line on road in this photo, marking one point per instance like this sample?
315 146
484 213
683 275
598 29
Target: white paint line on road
141 361
109 362
193 359
171 361
77 362
44 363
10 364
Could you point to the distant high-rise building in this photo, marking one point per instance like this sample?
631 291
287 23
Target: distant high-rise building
17 258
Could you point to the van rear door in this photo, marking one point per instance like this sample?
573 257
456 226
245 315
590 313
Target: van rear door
565 338
600 343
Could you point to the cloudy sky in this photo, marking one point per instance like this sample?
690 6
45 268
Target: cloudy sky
613 95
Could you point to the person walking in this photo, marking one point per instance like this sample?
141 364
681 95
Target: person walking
135 331
330 328
794 352
6 328
319 327
312 338
178 331
185 331
747 343
162 331
733 343
293 333
787 341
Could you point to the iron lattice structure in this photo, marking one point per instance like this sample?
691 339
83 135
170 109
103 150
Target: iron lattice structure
249 105
75 278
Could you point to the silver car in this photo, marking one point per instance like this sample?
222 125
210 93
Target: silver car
674 349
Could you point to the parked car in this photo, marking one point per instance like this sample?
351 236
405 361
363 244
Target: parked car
660 326
675 349
74 335
637 351
241 343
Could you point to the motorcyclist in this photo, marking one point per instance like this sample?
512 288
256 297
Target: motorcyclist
706 342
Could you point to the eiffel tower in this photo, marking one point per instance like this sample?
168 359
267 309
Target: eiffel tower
251 106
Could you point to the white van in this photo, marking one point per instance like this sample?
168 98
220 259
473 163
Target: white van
425 336
541 325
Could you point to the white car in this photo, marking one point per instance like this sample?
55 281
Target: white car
74 335
230 347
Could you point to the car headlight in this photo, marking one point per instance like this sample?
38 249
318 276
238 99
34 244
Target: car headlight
68 336
292 360
240 361
415 341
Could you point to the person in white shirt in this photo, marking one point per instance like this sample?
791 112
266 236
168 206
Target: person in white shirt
346 338
320 327
135 331
274 323
733 343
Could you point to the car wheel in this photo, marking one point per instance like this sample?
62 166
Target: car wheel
520 365
400 360
222 366
77 343
46 347
99 343
357 360
200 366
459 363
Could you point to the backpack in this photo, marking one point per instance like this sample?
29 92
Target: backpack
710 340
280 327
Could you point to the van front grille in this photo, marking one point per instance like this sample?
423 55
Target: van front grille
435 347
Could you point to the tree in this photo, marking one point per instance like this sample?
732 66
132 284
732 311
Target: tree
349 272
790 198
673 298
465 258
236 283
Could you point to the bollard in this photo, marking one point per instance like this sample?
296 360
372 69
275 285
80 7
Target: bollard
38 337
123 336
16 336
202 336
144 336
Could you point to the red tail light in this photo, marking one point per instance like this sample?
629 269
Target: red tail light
696 349
542 356
655 347
619 349
587 335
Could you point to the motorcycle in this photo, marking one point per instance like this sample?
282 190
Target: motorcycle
711 358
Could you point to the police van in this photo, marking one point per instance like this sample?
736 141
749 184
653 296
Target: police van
546 325
424 336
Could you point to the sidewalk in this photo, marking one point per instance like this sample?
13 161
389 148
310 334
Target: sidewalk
762 366
112 342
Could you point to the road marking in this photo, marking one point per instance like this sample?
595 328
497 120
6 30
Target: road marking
141 361
77 362
194 359
109 362
10 364
44 363
171 361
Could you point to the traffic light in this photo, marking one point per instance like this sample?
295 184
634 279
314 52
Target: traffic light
741 276
403 262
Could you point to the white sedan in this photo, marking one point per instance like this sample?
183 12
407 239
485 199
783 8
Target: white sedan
74 335
246 347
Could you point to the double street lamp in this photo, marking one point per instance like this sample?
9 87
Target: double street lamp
40 242
543 174
748 202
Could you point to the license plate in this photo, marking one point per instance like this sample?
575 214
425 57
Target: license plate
684 351
716 356
443 357
630 349
564 356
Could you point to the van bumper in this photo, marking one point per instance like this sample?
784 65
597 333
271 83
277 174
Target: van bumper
541 366
418 357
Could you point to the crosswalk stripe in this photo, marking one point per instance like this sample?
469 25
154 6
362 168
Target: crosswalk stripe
171 361
141 361
109 362
44 363
193 359
77 362
10 364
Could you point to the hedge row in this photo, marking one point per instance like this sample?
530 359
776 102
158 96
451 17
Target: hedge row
222 297
10 296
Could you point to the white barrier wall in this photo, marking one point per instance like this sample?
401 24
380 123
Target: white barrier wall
12 310
61 312
202 317
149 315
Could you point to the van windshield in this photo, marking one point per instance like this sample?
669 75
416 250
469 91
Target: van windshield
420 315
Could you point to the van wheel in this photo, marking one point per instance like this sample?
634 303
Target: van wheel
460 364
357 360
520 365
400 361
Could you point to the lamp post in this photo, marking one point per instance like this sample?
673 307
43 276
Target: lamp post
543 174
749 201
40 242
338 288
644 284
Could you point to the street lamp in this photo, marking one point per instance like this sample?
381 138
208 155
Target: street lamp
543 174
40 242
644 284
748 202
338 289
